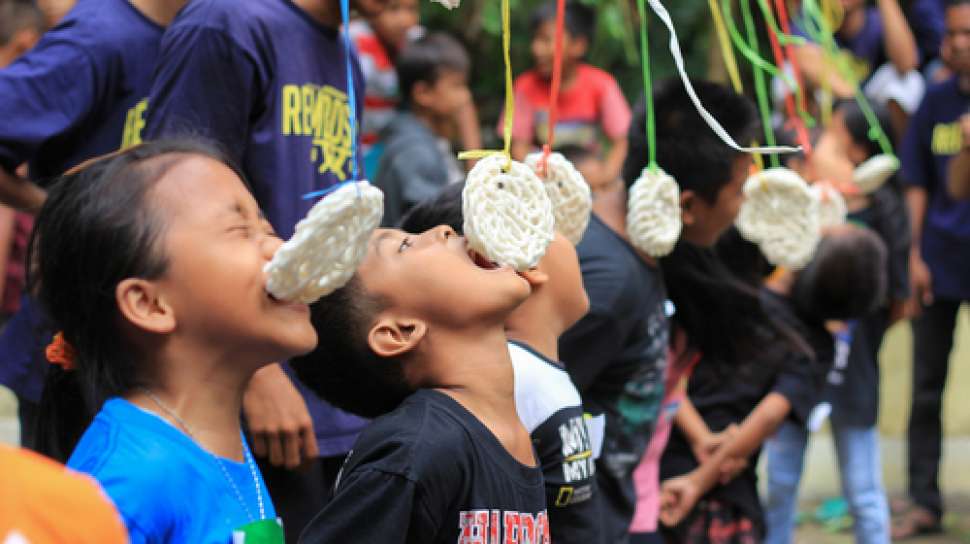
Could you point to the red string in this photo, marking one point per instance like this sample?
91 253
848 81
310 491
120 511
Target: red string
800 130
556 81
790 57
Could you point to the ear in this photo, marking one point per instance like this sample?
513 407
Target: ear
141 303
535 277
687 200
421 94
392 337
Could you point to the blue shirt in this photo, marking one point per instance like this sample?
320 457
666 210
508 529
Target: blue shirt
80 93
269 83
864 51
932 139
167 488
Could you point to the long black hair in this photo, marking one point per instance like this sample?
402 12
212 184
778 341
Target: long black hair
96 229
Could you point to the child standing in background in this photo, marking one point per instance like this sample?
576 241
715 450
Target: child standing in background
591 106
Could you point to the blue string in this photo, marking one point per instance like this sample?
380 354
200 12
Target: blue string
351 99
328 190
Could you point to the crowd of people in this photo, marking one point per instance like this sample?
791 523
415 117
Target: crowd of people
153 154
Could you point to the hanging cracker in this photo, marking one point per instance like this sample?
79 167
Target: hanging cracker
568 192
781 215
653 217
328 245
832 209
874 172
450 4
508 215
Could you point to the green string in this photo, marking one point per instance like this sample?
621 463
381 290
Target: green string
647 89
786 39
759 83
751 54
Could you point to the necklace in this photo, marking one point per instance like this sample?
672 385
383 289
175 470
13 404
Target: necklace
222 466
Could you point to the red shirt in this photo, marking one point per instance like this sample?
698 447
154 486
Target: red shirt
381 94
592 104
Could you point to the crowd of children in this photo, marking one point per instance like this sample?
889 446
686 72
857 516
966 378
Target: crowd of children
155 152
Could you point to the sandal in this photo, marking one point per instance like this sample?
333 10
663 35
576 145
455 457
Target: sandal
915 521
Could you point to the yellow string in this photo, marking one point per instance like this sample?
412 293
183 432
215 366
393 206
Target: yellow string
509 97
727 50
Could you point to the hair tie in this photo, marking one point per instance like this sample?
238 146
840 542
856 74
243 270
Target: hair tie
60 352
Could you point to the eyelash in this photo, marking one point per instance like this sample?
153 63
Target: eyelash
404 243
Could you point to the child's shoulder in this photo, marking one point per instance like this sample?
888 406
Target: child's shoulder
594 77
613 273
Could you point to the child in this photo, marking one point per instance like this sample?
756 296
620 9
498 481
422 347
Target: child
417 159
763 361
591 105
853 387
160 335
449 460
546 400
617 354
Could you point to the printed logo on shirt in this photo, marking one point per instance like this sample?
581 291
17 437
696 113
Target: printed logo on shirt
947 138
577 451
134 123
320 112
498 527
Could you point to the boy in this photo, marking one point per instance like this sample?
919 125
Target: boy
939 260
591 104
617 354
417 159
451 462
546 400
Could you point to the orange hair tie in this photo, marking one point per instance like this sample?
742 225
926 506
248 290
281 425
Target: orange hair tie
60 352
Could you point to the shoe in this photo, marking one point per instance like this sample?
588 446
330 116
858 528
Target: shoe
915 521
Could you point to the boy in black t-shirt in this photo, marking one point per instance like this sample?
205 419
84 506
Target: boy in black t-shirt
546 400
419 332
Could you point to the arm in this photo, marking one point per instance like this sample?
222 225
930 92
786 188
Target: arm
19 193
958 172
6 241
614 159
278 420
921 282
816 69
897 37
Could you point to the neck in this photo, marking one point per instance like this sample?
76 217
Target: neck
611 207
963 82
531 325
438 126
325 12
161 12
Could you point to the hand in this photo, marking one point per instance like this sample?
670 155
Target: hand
921 285
677 498
730 468
278 419
705 448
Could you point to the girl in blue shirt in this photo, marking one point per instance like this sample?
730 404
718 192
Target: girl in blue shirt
150 264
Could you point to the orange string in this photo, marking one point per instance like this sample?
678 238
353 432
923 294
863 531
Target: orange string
800 130
790 56
556 82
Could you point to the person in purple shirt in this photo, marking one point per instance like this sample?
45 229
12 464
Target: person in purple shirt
268 80
79 93
939 265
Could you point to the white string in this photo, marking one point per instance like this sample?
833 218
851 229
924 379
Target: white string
708 118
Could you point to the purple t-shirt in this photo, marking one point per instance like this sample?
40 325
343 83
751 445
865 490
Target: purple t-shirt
269 83
80 93
865 50
931 140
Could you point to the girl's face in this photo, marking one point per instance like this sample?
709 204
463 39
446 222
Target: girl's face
544 44
394 22
843 138
217 243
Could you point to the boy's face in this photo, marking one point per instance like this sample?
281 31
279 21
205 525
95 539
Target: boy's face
393 23
433 278
446 96
544 44
704 222
565 280
956 41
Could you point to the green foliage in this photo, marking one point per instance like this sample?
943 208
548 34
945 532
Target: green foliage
478 24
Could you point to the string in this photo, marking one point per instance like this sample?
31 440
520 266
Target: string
727 51
790 53
759 83
664 16
509 98
752 55
556 82
774 38
647 89
351 99
327 191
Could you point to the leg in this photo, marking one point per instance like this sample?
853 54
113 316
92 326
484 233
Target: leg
932 342
861 470
785 453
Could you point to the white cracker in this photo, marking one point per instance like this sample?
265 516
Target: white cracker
653 213
508 215
569 193
328 244
832 209
450 4
781 215
873 173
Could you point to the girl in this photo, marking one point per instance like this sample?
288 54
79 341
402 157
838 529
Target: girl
150 264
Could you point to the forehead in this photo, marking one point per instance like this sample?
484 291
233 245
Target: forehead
958 17
197 182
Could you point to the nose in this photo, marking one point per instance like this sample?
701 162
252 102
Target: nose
442 233
269 244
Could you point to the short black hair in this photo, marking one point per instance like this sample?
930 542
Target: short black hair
687 149
441 209
425 59
846 279
343 370
857 124
955 3
16 15
578 20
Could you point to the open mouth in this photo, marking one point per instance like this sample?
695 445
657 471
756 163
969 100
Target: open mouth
481 262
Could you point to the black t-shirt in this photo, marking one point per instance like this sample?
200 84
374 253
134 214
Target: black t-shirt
617 356
724 394
551 410
430 472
